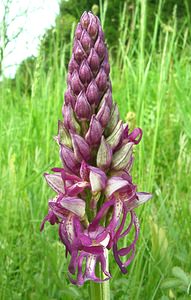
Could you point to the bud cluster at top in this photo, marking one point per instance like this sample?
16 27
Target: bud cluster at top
88 71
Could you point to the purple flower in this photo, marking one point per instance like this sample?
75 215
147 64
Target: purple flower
94 187
84 246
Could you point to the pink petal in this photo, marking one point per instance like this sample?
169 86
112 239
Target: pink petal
97 179
75 205
55 182
141 199
77 188
114 184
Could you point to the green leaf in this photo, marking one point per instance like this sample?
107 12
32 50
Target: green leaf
171 283
180 274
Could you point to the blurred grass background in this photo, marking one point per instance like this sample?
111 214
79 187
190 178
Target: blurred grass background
151 74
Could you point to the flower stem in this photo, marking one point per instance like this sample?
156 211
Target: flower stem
100 291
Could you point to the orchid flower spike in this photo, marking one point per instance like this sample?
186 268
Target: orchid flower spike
95 194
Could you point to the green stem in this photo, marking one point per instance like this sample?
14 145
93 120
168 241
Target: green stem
100 291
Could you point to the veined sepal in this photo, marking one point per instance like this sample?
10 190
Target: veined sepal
63 136
56 182
114 119
115 137
104 155
122 157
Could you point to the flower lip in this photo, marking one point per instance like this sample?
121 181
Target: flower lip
136 135
51 218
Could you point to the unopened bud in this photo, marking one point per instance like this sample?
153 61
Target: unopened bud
69 97
94 61
92 93
103 114
86 41
69 120
94 133
78 31
85 20
108 98
85 73
82 107
101 34
101 80
73 65
75 83
100 47
93 29
69 160
79 52
81 148
105 65
63 135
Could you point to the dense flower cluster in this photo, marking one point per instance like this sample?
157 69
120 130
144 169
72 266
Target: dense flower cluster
95 192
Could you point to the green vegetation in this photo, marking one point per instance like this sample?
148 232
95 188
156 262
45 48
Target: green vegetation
153 82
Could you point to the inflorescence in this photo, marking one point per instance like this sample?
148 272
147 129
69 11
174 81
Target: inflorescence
95 193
